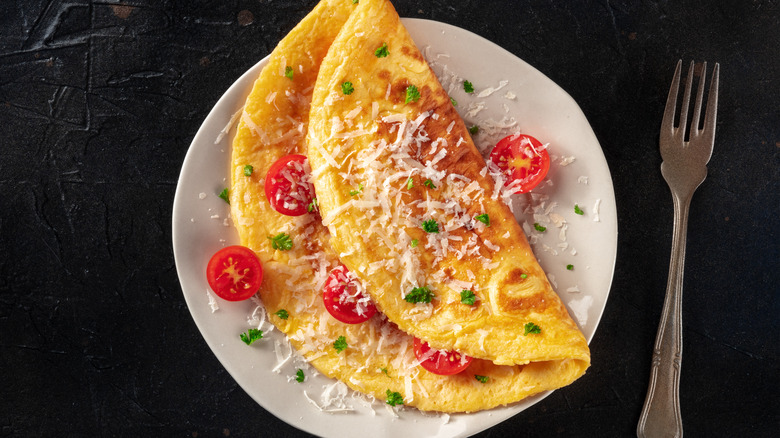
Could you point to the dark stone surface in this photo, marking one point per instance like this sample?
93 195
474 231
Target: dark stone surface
98 105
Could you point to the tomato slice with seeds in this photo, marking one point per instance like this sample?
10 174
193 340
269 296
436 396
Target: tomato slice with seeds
523 160
345 299
444 363
288 185
234 273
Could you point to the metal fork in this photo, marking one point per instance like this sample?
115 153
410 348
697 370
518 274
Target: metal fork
684 168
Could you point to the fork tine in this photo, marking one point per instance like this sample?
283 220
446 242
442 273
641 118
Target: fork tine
699 99
712 108
667 124
686 101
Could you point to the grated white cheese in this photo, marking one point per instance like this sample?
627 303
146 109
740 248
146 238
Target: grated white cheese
227 127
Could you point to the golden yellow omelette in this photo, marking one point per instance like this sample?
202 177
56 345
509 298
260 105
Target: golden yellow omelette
400 185
378 359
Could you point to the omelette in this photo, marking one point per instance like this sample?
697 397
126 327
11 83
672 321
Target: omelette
428 224
375 357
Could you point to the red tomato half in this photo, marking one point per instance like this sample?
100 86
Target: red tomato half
288 185
523 160
444 363
345 298
234 273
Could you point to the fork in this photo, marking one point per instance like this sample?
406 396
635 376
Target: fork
684 168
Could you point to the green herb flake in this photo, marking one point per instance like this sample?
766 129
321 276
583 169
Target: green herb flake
430 226
382 51
384 370
248 169
283 314
429 183
474 130
415 242
347 88
394 398
482 379
484 218
419 295
288 71
539 228
412 94
454 102
467 297
409 183
355 192
578 210
313 205
281 241
523 276
340 344
531 328
251 336
224 195
570 267
299 377
468 87
354 2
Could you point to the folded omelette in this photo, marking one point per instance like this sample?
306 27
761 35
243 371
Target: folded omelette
378 359
428 220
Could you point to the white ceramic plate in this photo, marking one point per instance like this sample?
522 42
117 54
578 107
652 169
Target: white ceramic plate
529 102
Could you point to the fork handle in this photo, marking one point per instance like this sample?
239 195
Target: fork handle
661 413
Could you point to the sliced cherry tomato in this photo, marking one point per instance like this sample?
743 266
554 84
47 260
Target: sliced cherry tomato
523 160
444 363
234 273
345 298
288 185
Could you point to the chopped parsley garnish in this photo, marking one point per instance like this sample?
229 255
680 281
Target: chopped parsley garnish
412 94
539 228
355 192
483 379
394 398
523 276
468 297
248 169
474 130
430 226
382 51
281 241
454 102
251 335
468 87
415 242
419 295
384 370
288 71
531 328
347 88
578 210
428 183
340 344
312 205
224 195
281 313
299 377
409 183
354 2
570 267
484 218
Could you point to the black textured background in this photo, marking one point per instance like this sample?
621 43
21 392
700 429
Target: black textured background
100 100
